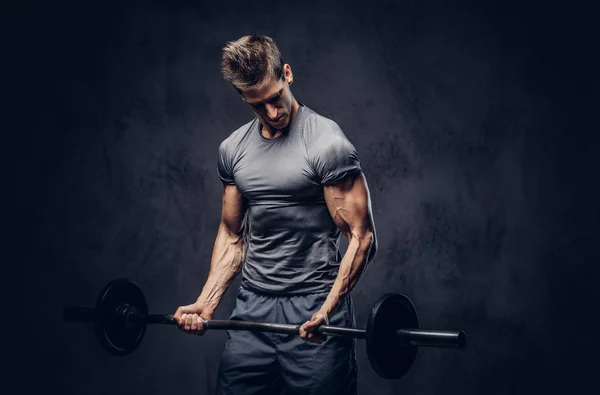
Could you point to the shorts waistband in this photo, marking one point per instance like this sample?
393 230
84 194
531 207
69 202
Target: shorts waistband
276 294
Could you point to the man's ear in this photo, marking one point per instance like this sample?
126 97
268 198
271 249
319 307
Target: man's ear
287 74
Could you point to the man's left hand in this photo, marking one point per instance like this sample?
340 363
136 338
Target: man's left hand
307 330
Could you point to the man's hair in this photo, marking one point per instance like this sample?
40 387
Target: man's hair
251 61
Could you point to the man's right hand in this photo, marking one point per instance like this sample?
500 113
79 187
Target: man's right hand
189 318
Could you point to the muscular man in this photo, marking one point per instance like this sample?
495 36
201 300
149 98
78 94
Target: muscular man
292 184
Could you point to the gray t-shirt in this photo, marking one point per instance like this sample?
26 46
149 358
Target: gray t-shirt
293 243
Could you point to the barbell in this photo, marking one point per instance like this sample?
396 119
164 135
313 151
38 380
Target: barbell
120 317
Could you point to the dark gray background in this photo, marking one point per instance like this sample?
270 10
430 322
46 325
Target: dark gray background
478 132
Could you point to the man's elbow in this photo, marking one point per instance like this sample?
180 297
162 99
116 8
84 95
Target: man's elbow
370 244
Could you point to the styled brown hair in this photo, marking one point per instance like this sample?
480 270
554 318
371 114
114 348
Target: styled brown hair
251 61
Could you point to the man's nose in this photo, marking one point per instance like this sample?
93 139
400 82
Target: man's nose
271 111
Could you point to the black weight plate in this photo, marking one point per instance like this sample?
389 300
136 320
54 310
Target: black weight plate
116 336
389 359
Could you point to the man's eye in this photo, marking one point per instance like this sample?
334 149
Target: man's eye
271 101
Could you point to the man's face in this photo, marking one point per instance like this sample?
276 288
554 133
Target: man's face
272 103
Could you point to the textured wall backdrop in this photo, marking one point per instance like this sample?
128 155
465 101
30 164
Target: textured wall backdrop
474 128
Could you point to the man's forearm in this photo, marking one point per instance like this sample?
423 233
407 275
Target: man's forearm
227 258
359 253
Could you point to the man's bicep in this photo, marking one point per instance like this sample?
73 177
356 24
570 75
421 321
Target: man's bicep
349 204
233 209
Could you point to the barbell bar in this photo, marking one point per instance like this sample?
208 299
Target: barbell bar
120 317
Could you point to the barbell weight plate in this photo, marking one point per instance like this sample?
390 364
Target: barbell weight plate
389 359
114 335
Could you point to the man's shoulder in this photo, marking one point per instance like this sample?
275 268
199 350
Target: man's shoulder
321 130
317 120
237 136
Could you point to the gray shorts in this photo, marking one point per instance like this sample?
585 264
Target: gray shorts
271 363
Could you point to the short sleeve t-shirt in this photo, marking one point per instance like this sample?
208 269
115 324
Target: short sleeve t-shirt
292 241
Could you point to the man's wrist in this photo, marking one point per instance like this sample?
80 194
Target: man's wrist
328 307
325 314
208 306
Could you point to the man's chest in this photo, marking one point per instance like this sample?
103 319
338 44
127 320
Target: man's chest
275 172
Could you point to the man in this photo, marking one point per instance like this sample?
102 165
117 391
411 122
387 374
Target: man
292 183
